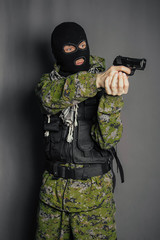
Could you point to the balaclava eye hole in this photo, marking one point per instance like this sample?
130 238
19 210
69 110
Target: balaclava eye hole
70 33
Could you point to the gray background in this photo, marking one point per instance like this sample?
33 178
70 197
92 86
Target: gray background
129 28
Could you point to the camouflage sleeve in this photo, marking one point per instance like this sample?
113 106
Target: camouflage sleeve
108 130
58 94
98 62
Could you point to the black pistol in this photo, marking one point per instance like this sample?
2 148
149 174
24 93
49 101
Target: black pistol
132 63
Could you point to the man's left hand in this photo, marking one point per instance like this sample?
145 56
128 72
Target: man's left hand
117 85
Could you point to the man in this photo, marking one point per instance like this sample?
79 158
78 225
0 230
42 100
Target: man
81 103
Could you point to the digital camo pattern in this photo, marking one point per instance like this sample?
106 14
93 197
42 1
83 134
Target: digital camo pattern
82 200
76 195
108 130
57 93
95 223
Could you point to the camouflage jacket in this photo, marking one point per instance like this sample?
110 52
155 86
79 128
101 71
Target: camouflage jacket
59 93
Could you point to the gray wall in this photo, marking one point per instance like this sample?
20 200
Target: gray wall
129 28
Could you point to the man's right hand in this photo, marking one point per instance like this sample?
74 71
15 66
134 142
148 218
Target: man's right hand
114 80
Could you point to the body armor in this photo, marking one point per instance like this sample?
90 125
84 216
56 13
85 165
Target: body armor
83 149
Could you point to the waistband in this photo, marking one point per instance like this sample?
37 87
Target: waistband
83 173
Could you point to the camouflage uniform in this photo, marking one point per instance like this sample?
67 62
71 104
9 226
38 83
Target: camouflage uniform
82 209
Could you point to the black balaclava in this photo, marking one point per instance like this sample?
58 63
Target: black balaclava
69 33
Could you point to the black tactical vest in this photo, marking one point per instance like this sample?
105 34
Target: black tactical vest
83 149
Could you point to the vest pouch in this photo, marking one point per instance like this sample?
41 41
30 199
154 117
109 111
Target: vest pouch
47 146
55 137
53 140
85 142
59 147
53 129
55 144
84 148
56 147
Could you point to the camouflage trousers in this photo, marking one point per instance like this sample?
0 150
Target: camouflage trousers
96 222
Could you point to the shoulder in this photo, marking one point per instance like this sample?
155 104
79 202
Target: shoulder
96 59
45 76
97 62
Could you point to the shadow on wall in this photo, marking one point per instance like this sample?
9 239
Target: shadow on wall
30 112
22 141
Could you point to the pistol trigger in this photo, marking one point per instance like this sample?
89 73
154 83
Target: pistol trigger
132 72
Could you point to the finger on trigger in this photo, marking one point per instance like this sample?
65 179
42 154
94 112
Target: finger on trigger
123 69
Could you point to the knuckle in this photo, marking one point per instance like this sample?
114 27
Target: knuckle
112 68
111 75
114 87
125 76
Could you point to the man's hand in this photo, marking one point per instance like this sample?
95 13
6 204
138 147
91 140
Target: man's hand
114 81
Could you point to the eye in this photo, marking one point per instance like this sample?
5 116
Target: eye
69 48
82 45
